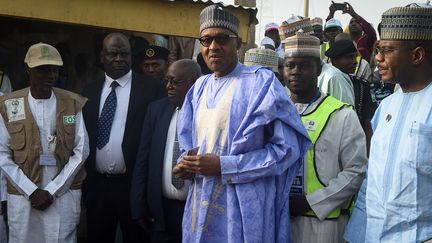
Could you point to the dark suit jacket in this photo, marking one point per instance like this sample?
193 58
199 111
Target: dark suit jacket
146 190
144 90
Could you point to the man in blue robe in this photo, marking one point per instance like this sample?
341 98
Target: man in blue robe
251 144
394 204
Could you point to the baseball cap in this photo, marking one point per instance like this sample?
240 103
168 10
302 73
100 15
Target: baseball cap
271 26
333 23
42 54
267 41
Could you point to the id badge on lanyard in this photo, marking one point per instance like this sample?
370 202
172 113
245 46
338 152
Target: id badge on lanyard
47 158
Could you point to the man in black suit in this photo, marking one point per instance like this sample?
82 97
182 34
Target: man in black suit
157 199
113 116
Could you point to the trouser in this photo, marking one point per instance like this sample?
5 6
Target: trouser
4 228
107 205
173 216
3 223
311 229
57 223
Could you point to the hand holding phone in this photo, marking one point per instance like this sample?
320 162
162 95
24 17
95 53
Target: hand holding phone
193 151
180 171
349 10
338 6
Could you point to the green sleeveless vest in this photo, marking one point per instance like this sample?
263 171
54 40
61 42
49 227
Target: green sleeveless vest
315 123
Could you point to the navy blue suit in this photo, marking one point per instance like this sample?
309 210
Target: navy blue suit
146 193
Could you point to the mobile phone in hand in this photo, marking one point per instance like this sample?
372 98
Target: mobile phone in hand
193 151
339 6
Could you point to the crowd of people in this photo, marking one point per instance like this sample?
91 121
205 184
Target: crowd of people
321 135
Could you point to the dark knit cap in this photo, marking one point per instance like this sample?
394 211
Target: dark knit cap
340 48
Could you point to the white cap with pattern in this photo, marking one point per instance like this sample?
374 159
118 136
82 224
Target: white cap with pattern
302 45
262 57
413 22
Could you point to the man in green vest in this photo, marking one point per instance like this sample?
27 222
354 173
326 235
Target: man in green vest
332 28
43 145
334 167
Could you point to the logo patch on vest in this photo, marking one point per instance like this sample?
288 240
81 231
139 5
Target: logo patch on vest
310 125
69 119
15 109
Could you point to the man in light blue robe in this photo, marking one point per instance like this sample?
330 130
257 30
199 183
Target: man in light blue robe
395 202
251 144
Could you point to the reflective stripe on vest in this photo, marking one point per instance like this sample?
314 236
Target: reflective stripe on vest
315 123
358 63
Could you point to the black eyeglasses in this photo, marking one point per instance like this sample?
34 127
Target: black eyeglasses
175 83
220 39
385 50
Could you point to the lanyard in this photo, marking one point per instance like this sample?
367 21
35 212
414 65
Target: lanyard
311 102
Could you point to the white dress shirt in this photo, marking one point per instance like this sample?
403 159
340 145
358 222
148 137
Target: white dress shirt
6 86
44 113
2 182
110 158
168 190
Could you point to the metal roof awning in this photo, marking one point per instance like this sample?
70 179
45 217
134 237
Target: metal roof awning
177 18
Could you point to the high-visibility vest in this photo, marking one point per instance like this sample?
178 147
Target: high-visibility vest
323 48
315 123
